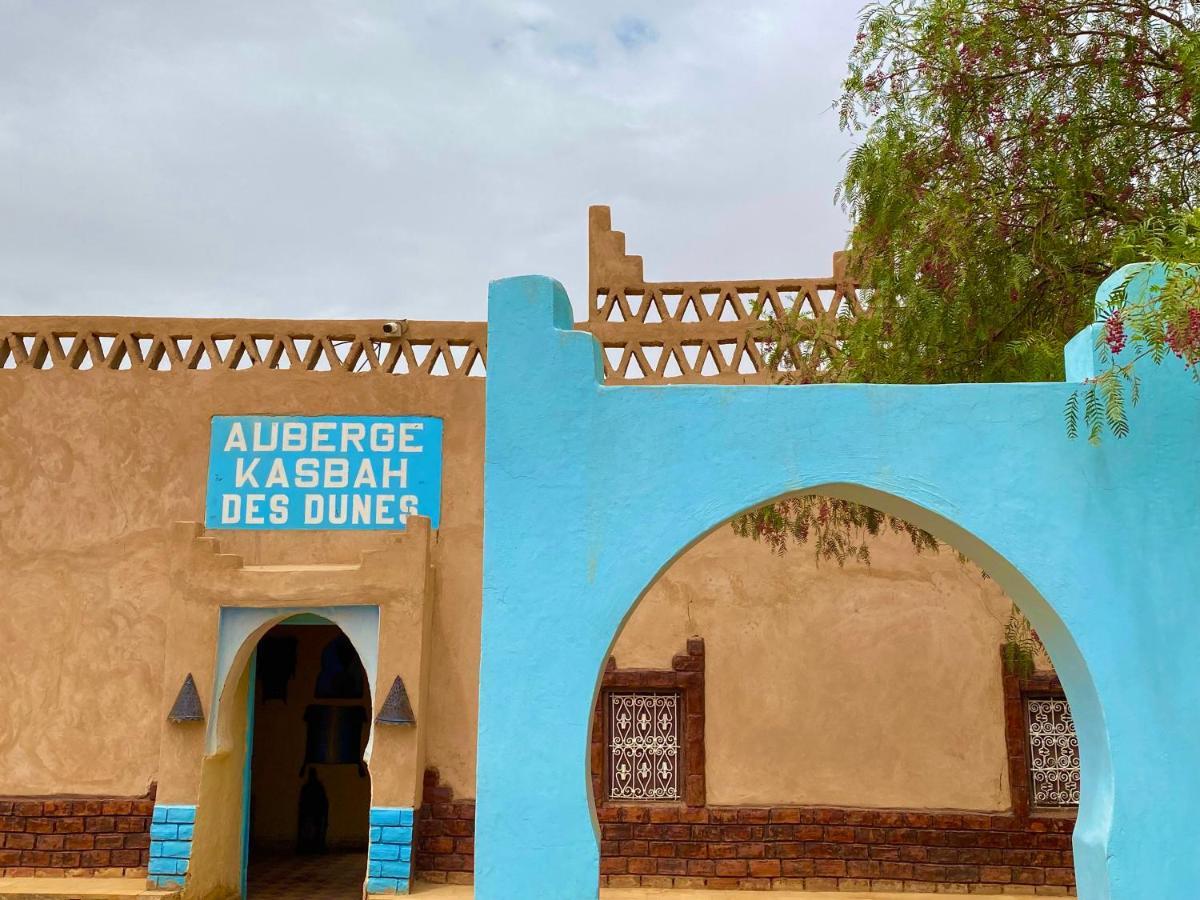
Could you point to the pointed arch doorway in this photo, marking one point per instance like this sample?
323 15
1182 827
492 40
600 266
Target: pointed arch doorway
309 787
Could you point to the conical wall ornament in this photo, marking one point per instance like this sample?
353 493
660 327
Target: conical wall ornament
187 706
396 708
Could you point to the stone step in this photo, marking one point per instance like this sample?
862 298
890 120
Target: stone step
80 888
466 892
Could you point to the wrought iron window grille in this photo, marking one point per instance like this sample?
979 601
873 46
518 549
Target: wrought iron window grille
1053 753
644 752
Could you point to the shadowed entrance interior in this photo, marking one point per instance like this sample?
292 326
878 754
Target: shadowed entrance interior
310 791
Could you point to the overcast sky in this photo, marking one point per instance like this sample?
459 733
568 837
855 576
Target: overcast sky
359 159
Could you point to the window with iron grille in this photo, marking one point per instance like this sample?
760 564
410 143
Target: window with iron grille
643 745
1053 753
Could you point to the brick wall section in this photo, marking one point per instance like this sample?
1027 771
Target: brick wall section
445 839
787 847
832 849
58 836
691 845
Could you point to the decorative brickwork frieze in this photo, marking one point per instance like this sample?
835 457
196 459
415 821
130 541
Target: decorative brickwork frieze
57 836
661 332
184 346
684 332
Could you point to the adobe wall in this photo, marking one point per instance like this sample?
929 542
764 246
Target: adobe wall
900 706
865 686
94 468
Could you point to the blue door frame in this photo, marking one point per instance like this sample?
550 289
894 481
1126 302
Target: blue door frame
251 696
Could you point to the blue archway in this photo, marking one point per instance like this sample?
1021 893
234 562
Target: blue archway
592 490
1095 808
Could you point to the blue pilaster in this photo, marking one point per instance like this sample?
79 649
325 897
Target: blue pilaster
171 829
389 864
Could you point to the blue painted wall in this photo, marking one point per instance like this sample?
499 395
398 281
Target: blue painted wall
592 491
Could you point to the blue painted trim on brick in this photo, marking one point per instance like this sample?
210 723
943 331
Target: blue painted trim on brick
387 885
389 861
184 815
171 829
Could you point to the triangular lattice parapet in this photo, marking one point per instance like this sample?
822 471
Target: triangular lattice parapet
696 331
661 332
445 349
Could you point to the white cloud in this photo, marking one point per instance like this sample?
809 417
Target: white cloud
367 159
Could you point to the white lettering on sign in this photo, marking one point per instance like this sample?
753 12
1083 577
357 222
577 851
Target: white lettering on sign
320 440
365 477
277 477
307 473
245 472
400 474
323 471
260 444
237 438
407 438
383 438
294 437
356 509
353 434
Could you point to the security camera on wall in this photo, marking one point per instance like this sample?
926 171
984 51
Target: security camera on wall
393 327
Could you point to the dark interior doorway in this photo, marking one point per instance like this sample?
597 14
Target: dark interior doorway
310 792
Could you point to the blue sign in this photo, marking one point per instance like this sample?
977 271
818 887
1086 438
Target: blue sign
323 472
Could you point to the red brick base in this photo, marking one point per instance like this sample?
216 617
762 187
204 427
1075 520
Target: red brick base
814 848
445 835
103 836
818 848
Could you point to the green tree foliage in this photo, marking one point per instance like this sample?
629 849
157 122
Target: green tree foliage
838 530
1011 153
1022 646
1006 147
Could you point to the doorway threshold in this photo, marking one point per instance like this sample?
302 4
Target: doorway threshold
80 888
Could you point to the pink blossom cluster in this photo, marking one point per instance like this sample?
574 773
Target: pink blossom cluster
1114 332
1185 342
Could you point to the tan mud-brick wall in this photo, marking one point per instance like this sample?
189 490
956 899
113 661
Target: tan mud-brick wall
69 836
